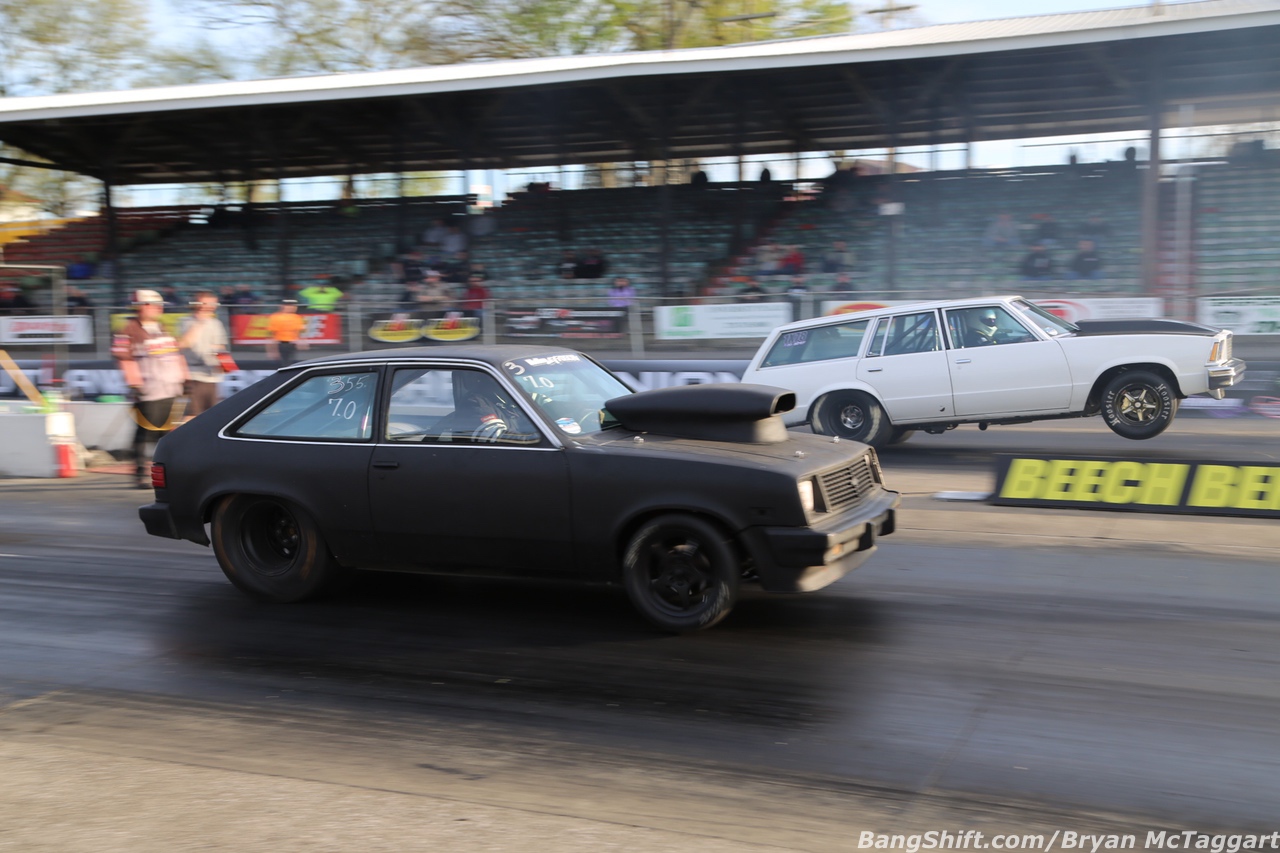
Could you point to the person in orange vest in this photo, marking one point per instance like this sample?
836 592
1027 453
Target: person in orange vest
285 329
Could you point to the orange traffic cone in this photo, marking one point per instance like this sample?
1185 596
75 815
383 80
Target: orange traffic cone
66 460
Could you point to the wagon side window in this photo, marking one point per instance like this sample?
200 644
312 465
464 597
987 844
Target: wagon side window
337 406
821 343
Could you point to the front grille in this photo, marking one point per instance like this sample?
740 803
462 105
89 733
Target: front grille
847 486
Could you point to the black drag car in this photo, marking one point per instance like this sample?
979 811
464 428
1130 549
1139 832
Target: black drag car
517 460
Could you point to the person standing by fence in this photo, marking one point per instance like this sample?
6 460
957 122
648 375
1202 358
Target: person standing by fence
155 372
202 339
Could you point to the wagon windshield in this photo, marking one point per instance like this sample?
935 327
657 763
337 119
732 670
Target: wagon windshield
1050 324
569 389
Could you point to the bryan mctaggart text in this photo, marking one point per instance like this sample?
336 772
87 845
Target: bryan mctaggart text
1069 840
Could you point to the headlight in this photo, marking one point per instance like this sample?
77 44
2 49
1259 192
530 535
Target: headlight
1216 352
806 494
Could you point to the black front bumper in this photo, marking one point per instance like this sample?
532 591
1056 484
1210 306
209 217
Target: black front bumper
802 559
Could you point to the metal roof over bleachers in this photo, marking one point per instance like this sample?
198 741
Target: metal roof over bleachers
1068 74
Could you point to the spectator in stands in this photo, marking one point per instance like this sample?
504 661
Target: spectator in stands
698 178
567 267
474 297
285 329
798 287
622 294
753 292
77 301
437 295
792 262
1037 265
768 260
411 297
433 237
591 265
457 269
765 175
80 270
1001 235
838 259
844 283
1086 264
13 302
478 268
454 241
480 225
1095 228
170 295
321 297
1049 231
227 295
409 268
244 295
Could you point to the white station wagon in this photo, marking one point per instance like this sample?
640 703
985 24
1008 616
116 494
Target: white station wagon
875 376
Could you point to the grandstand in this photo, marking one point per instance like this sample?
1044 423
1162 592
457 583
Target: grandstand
712 235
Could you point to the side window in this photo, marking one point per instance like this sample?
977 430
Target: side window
842 340
909 333
455 406
986 326
331 406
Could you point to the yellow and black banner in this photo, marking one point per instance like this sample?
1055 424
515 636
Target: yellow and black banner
1141 485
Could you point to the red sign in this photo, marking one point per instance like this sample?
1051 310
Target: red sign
250 329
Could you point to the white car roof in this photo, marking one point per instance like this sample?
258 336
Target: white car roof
896 309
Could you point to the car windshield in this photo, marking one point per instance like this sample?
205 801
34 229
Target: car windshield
1042 319
570 389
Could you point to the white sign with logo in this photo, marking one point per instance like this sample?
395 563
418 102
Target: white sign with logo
46 330
1243 315
745 320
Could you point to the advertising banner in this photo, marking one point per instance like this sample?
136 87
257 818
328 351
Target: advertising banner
250 329
1243 315
16 331
1143 484
578 323
421 328
742 320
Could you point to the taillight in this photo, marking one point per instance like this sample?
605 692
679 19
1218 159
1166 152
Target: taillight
1216 352
157 476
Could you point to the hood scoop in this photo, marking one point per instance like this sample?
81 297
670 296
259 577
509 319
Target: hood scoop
713 412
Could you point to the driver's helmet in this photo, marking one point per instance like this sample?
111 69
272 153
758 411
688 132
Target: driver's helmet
983 321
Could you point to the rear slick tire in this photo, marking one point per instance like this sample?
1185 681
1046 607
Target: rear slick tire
855 416
272 550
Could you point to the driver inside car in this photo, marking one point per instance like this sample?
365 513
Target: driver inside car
981 328
484 413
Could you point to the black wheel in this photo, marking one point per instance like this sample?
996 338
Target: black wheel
272 550
1138 404
899 435
855 416
681 573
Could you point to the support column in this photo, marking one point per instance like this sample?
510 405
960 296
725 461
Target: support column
1151 225
112 249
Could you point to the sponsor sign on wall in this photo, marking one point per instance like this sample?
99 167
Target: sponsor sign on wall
16 331
743 320
578 323
1243 315
249 329
419 328
1147 485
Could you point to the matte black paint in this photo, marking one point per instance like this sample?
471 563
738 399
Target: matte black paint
1138 326
546 511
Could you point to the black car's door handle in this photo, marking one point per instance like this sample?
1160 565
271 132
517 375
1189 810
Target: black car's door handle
386 463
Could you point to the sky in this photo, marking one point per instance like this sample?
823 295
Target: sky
166 16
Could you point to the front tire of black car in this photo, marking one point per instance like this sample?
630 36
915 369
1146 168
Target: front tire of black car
272 550
680 573
855 416
1138 404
